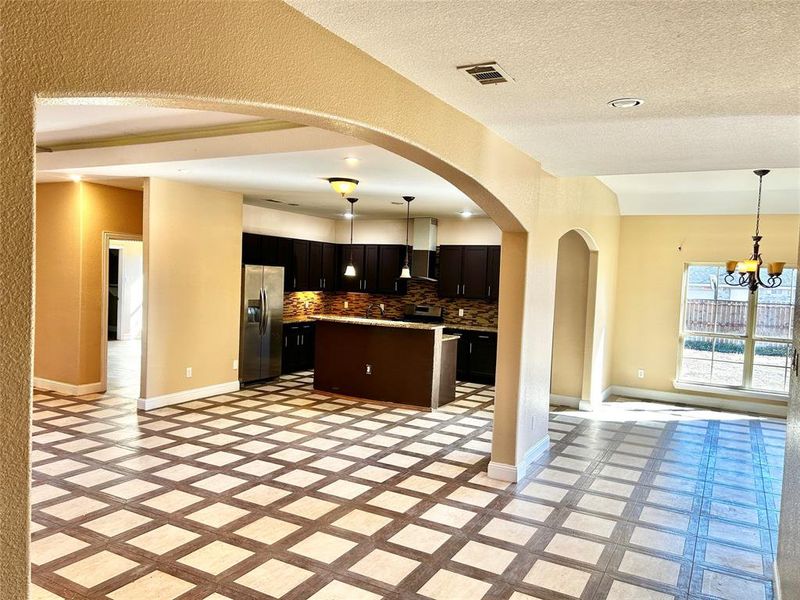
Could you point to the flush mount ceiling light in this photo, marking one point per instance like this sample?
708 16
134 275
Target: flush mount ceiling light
351 160
465 214
343 185
750 269
405 272
75 178
625 102
350 269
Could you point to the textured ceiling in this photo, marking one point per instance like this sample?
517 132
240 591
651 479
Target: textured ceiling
720 79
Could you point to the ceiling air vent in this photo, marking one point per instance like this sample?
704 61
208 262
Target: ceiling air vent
486 73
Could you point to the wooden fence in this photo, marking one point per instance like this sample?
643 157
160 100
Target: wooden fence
773 320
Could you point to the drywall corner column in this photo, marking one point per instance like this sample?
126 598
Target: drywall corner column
192 262
520 425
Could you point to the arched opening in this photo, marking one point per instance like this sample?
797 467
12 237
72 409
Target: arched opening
571 377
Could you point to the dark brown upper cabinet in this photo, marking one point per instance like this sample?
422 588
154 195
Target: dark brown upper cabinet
390 264
468 272
351 284
300 266
328 267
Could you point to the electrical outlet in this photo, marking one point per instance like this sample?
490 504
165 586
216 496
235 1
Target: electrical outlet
235 364
188 372
369 369
640 373
346 304
307 304
460 312
383 307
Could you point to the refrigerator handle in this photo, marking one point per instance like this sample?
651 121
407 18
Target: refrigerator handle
263 303
267 312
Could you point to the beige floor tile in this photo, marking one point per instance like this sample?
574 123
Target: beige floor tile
45 492
344 489
95 477
362 522
216 557
163 539
650 567
267 530
54 546
528 510
472 496
72 509
730 587
259 468
447 585
116 522
131 489
323 547
309 508
337 590
219 483
659 540
444 470
331 463
274 578
627 591
96 569
590 524
544 491
291 455
734 558
558 578
172 501
420 538
39 593
575 548
508 531
602 504
385 566
262 495
60 467
393 501
483 556
373 473
448 515
424 485
300 478
153 585
218 514
179 472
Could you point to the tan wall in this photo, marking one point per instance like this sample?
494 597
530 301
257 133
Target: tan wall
569 322
103 208
69 231
58 290
465 232
268 221
653 252
192 254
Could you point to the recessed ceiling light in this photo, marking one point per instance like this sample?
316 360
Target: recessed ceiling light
75 177
465 214
351 160
625 102
397 203
347 216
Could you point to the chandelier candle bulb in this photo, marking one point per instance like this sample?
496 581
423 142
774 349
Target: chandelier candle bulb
775 268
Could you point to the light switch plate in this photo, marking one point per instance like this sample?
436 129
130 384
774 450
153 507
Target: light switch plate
188 372
235 364
460 312
369 369
346 304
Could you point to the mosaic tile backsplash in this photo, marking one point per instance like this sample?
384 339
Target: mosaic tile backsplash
476 312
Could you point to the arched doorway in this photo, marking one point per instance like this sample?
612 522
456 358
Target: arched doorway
571 376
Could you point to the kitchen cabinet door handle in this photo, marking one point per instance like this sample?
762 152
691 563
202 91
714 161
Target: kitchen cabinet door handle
490 291
470 347
796 363
395 286
286 341
484 337
298 340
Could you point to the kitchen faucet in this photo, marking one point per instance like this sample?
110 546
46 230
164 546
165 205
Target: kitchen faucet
369 309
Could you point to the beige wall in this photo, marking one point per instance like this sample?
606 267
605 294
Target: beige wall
465 232
653 252
69 232
192 257
268 221
58 290
569 322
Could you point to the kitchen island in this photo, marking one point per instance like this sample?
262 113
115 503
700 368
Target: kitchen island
407 363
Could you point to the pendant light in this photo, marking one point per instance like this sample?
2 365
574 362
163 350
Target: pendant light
405 273
750 269
350 270
343 185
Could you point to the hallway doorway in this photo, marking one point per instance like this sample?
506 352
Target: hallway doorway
124 300
573 322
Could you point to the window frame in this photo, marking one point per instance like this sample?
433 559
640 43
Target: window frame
749 338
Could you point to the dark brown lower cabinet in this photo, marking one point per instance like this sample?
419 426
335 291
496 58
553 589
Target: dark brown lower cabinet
298 347
476 356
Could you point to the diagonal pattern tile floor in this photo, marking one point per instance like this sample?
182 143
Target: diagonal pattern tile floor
281 492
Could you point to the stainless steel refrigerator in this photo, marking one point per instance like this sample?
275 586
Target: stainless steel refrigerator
261 323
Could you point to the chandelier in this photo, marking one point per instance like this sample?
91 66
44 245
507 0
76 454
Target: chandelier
750 270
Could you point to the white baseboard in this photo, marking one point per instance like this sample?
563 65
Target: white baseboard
513 473
776 581
68 388
570 401
187 395
722 403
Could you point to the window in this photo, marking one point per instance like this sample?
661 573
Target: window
732 338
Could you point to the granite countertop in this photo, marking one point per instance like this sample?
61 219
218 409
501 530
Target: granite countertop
291 320
377 322
471 327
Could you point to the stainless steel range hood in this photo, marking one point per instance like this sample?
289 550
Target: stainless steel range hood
423 257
